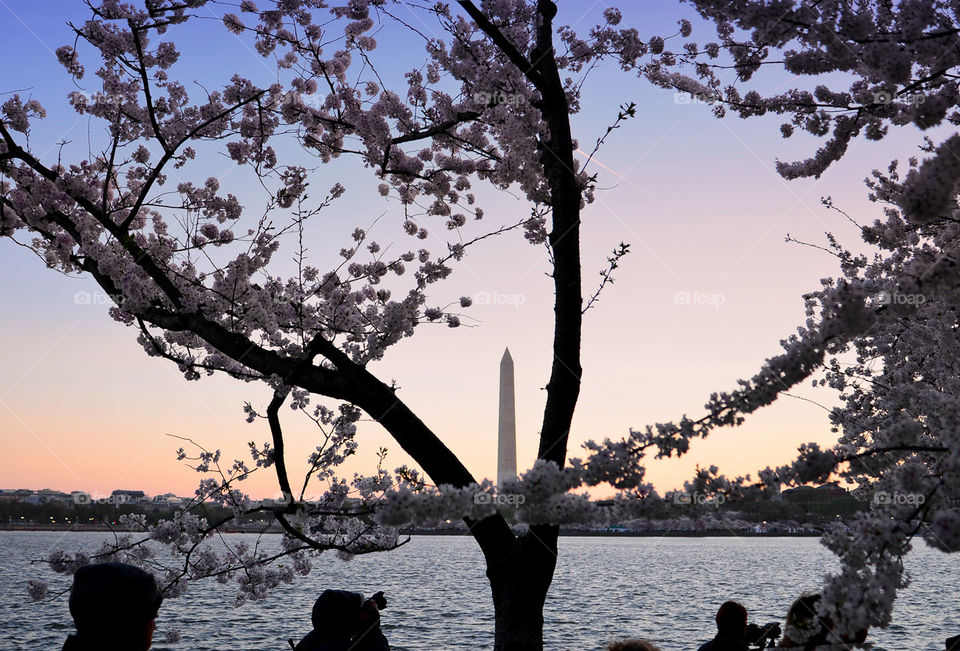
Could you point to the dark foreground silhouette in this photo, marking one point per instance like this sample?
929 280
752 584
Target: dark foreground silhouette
345 621
114 607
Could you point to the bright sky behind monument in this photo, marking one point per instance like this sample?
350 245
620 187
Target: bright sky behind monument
709 288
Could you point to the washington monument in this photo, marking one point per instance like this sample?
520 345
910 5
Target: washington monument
507 442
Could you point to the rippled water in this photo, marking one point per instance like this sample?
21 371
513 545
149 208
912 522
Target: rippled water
666 589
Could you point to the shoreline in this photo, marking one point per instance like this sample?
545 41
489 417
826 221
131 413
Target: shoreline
572 533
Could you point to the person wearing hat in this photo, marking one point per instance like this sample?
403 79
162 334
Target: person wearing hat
345 621
114 607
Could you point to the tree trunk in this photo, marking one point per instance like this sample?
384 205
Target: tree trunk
521 570
519 580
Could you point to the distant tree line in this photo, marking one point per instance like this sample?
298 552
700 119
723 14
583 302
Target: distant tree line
750 509
97 514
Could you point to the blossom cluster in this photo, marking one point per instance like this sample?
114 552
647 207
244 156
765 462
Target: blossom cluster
900 59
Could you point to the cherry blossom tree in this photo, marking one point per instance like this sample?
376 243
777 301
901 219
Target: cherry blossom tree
491 104
189 271
894 312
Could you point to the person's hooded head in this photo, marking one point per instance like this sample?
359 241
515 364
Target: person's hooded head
805 627
336 614
731 620
114 606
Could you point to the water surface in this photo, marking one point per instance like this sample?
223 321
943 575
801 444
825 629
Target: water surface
665 589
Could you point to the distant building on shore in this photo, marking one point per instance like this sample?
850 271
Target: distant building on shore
129 497
15 494
46 496
168 499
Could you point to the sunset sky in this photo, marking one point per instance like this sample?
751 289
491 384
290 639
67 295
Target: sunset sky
697 199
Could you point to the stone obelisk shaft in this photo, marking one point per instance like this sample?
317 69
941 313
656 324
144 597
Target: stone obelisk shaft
507 441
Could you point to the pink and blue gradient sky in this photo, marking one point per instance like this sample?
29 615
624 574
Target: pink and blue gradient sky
81 406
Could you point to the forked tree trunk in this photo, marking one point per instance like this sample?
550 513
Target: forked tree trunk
521 570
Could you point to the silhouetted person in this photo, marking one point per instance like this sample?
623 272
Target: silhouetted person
731 629
114 607
345 621
803 621
953 643
805 628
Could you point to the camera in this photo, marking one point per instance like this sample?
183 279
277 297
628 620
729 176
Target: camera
763 636
380 600
370 609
